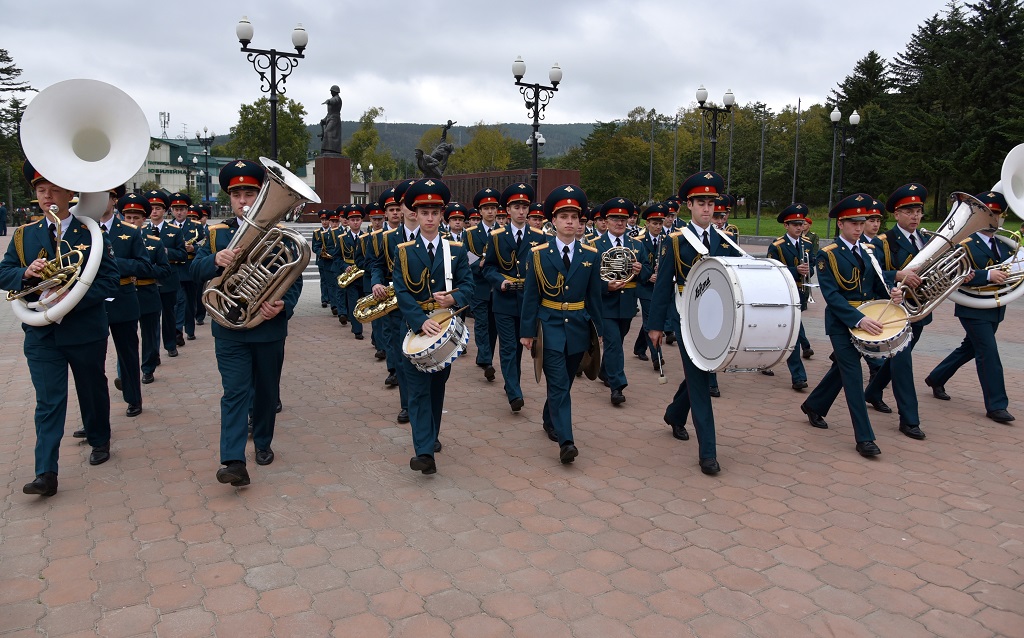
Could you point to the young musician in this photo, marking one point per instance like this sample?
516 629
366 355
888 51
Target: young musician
847 279
323 258
174 243
980 324
430 273
561 303
78 341
794 251
654 235
249 359
485 332
678 256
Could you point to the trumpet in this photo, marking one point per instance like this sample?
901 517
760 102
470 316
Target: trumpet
347 277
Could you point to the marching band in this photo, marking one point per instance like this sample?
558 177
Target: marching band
531 276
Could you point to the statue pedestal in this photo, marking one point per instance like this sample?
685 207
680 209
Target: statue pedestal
333 177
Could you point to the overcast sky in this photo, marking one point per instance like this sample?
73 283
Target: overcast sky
432 60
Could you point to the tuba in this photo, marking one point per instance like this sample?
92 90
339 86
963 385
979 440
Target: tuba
86 136
943 262
271 258
1011 185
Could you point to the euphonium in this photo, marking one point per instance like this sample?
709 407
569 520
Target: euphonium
617 264
369 308
85 136
347 277
271 258
943 262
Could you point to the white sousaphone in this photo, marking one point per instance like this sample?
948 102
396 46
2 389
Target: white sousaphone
85 136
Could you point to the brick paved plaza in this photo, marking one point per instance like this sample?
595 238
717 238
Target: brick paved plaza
798 536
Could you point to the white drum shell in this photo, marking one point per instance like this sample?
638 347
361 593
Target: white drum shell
433 354
738 314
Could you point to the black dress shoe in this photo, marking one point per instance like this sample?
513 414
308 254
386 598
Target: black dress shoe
808 353
191 338
278 407
710 466
768 373
200 322
516 404
79 434
679 431
913 431
1000 416
423 463
158 361
715 392
134 409
117 383
334 311
868 449
642 356
618 398
656 367
391 381
799 385
323 304
234 473
179 339
489 373
567 453
343 319
670 337
359 337
437 447
881 406
45 484
100 455
815 419
380 355
172 352
403 416
551 433
264 457
938 391
147 377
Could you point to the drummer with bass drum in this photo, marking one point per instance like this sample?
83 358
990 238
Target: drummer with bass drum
430 273
848 279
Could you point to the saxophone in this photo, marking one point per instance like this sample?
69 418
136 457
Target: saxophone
369 308
272 258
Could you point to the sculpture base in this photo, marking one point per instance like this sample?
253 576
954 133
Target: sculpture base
333 179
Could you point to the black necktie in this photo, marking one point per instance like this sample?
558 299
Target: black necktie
860 260
519 238
53 238
654 242
430 251
565 257
618 242
707 240
995 249
913 241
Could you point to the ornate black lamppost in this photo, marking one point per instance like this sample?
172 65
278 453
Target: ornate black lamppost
839 127
188 166
278 64
711 114
537 97
206 141
366 173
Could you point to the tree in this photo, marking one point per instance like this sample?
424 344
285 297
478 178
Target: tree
363 148
489 149
11 109
250 138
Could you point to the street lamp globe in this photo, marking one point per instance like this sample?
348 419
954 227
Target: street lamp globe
855 118
370 168
519 68
359 166
729 99
702 95
540 138
243 30
555 74
836 115
299 38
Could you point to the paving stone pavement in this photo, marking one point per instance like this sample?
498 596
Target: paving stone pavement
798 536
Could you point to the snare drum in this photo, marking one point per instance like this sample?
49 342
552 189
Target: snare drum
738 314
896 335
433 354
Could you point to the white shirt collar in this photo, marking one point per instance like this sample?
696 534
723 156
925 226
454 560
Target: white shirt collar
907 234
560 245
65 224
848 244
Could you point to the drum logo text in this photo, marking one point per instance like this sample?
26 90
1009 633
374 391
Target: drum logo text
702 287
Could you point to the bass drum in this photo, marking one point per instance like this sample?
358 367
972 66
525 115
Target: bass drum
738 314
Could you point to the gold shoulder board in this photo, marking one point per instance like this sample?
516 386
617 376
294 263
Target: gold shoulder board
589 247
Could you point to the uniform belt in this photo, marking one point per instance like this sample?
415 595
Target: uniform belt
350 261
429 306
127 280
631 284
177 263
191 256
856 304
144 282
565 305
680 287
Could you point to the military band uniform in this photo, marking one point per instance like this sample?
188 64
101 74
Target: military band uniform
792 253
847 280
562 303
900 368
980 326
350 295
485 331
123 311
316 247
397 329
174 244
185 306
79 341
148 293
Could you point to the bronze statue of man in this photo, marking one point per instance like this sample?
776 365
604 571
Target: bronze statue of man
331 125
434 165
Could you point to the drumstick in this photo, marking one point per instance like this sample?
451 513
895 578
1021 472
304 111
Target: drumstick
447 292
661 370
446 319
895 321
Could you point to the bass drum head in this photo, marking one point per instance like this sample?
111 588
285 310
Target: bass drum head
708 313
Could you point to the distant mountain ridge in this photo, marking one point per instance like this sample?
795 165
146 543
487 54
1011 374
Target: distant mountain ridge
401 139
